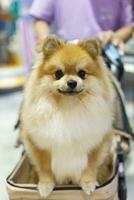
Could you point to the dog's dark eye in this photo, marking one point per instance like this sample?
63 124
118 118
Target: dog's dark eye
82 74
58 74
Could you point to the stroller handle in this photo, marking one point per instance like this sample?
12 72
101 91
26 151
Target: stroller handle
112 57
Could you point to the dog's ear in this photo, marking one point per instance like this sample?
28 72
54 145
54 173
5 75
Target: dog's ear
49 45
92 46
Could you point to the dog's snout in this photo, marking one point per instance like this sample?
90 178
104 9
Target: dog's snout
72 84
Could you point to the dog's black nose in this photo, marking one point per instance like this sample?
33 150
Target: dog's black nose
71 84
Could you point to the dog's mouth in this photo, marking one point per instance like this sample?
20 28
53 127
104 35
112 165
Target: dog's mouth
69 92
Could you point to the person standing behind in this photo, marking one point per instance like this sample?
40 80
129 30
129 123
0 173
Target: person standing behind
110 21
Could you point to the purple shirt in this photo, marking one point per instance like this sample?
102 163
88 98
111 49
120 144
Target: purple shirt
77 19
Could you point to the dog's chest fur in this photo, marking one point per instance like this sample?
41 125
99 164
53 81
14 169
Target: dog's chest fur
70 134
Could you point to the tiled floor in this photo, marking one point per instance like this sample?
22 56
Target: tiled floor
9 155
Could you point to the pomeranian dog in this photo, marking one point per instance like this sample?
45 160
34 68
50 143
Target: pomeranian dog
67 114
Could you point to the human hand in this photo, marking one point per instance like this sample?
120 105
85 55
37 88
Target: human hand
111 36
106 37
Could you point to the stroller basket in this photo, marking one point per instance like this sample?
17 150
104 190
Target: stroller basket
18 188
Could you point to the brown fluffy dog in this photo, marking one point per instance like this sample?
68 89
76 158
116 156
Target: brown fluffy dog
67 114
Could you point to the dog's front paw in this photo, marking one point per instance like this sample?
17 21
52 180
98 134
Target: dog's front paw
89 187
45 188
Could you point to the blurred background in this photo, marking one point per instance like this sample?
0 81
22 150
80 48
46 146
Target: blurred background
17 39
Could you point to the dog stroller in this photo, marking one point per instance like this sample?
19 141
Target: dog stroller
20 187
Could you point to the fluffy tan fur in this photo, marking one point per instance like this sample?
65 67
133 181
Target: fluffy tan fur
67 132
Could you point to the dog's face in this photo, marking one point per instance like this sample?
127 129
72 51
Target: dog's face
70 69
